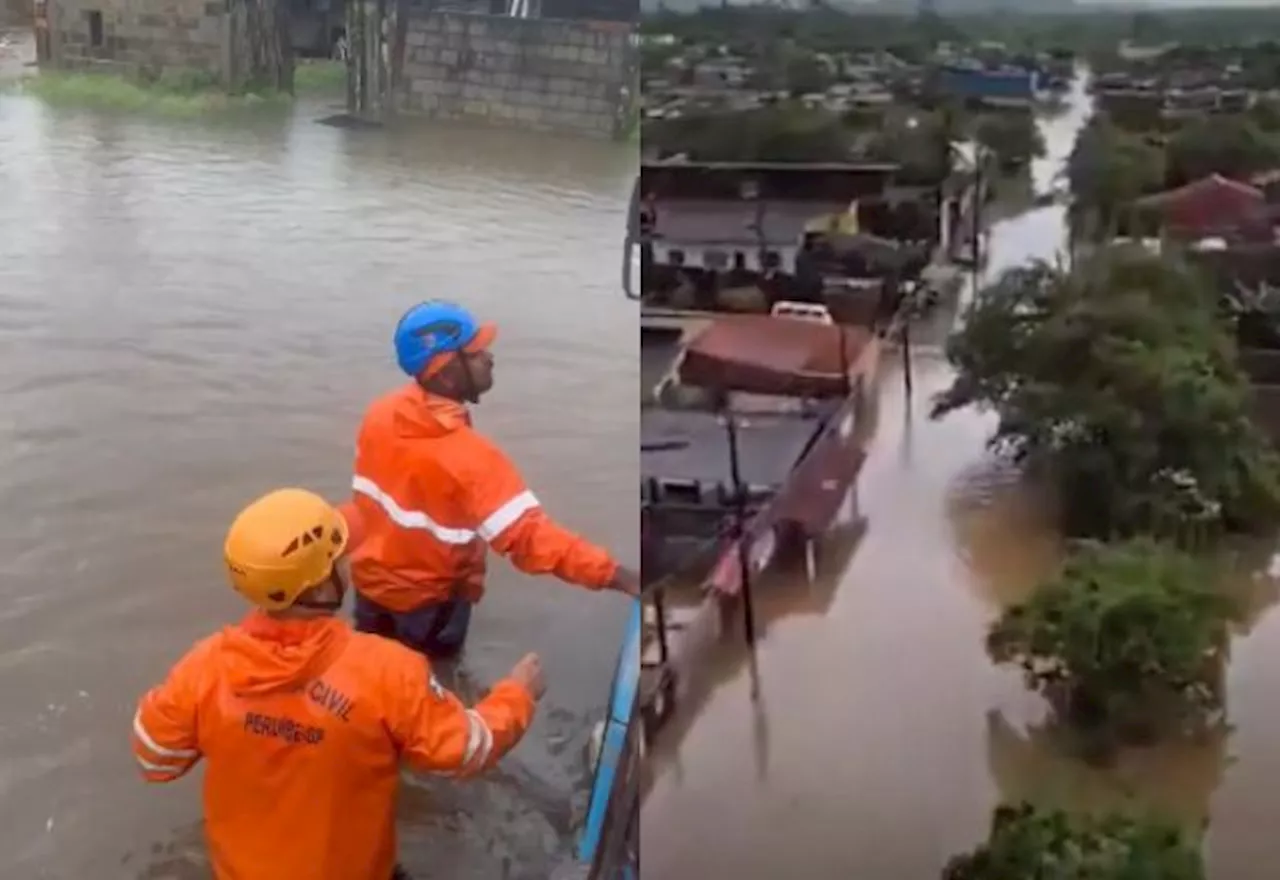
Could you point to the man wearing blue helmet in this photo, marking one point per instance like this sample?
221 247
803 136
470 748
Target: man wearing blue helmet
430 493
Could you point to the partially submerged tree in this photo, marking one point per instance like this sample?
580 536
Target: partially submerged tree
1233 146
1030 844
1118 381
1127 641
1107 170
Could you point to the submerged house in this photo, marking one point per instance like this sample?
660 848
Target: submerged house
750 217
234 43
739 236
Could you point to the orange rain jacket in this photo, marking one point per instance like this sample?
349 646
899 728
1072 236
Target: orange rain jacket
430 491
303 725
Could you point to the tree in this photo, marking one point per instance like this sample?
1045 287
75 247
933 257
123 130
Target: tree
1126 641
1265 114
1107 170
655 57
1233 146
1014 138
780 133
805 72
1118 382
1030 844
919 142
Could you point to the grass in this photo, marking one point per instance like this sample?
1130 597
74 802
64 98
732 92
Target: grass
314 77
168 96
180 93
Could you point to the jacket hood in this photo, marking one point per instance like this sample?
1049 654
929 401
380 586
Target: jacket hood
419 414
263 654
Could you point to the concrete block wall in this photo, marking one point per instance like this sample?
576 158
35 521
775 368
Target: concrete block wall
154 38
572 76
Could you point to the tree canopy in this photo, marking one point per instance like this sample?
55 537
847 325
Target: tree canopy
828 28
1126 640
779 133
1119 382
1107 170
1233 146
1028 843
1014 138
1111 166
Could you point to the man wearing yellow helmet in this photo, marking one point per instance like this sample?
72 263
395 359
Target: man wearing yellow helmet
302 722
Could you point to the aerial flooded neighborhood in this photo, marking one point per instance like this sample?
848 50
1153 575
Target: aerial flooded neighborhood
972 575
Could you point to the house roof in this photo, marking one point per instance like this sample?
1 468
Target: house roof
1211 185
765 355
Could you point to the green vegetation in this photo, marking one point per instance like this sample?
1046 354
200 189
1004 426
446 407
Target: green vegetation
827 28
1118 382
1122 156
916 138
176 97
1107 170
1013 138
316 77
176 94
779 133
821 86
1030 844
1127 641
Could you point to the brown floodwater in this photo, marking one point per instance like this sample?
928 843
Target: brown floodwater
882 736
194 313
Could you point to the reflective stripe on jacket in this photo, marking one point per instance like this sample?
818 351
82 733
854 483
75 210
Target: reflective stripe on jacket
303 725
430 492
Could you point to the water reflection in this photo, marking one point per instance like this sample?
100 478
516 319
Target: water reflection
714 654
1176 780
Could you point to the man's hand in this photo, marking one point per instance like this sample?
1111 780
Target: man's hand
625 581
529 673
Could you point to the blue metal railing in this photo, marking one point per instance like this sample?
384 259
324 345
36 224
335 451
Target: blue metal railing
607 842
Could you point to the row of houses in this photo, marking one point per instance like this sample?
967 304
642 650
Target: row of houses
1172 81
701 78
788 229
1143 102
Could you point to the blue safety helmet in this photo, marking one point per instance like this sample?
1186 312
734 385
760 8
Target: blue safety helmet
435 328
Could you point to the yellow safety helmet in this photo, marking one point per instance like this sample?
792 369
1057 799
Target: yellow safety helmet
282 545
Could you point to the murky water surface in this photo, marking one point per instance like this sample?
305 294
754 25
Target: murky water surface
882 736
192 314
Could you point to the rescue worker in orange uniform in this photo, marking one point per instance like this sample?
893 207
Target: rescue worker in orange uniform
431 492
303 724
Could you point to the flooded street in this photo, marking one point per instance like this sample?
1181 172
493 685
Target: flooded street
883 736
192 314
